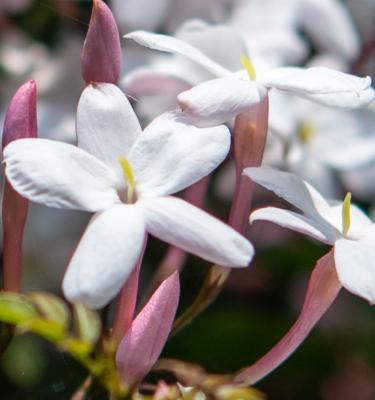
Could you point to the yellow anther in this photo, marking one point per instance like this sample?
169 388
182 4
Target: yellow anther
346 214
128 175
249 67
306 132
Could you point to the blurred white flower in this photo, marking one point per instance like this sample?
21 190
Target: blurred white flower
327 23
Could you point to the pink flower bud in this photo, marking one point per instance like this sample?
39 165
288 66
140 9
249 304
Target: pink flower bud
20 122
101 53
144 341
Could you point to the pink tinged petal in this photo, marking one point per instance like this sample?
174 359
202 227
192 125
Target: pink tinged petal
20 122
193 230
322 85
145 80
219 100
172 154
106 124
105 256
143 343
296 222
322 290
355 266
101 53
329 24
291 188
173 45
59 175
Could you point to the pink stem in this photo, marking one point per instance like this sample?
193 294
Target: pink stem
127 301
322 290
249 139
20 122
14 218
250 134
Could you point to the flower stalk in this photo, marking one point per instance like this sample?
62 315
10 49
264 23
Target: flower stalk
322 290
249 137
20 122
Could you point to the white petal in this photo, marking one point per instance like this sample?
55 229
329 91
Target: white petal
279 46
322 85
59 175
296 222
205 36
173 45
131 14
348 153
185 226
106 123
219 100
355 265
172 154
291 188
105 256
304 162
359 221
329 24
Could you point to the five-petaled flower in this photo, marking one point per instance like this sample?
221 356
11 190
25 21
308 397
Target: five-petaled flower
125 176
218 100
336 223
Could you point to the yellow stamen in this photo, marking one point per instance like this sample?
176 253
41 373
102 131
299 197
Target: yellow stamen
346 214
306 132
127 170
249 67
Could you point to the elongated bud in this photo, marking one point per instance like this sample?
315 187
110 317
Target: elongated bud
322 290
144 341
20 122
101 53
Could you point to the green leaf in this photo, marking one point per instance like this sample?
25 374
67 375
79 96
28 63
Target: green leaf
50 330
16 308
87 323
76 347
51 307
6 334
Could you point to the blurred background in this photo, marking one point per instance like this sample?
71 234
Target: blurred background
42 40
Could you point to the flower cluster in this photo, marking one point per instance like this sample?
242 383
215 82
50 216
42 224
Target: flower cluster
212 93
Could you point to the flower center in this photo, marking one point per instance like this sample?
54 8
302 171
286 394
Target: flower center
346 214
247 64
127 171
305 132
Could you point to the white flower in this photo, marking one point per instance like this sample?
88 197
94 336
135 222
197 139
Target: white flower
217 101
327 23
126 176
339 224
166 14
322 142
